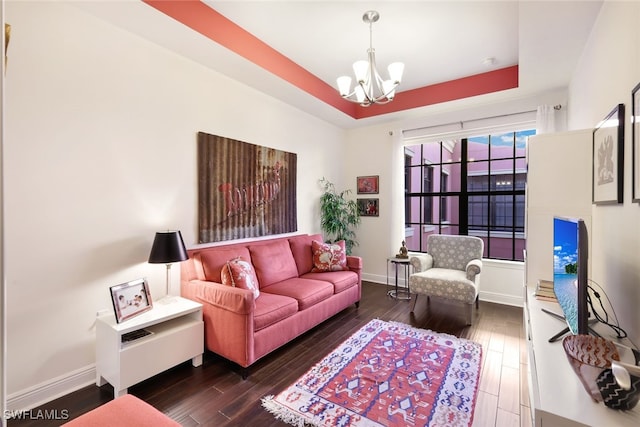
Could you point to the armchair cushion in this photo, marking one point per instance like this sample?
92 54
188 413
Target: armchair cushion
445 283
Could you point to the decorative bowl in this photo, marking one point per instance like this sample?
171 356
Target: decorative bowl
589 356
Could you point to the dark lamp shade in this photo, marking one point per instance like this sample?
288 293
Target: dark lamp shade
168 247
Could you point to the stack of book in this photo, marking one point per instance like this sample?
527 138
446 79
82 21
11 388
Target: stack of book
544 291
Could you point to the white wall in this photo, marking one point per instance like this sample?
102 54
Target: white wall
374 151
100 152
608 70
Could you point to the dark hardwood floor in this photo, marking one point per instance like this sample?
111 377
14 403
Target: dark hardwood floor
214 394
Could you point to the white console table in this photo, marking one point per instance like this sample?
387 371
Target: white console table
557 397
177 335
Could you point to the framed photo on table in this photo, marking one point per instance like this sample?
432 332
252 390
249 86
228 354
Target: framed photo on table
130 299
368 184
608 158
635 146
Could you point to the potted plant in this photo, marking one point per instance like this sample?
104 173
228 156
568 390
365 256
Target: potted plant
338 215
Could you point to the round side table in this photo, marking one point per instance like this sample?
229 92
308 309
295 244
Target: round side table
401 293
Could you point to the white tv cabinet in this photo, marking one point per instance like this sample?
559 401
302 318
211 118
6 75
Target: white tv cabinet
557 397
178 335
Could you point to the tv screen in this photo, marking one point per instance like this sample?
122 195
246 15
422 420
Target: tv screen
570 271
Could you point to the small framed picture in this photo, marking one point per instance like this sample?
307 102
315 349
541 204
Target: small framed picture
635 146
608 158
368 184
368 207
130 299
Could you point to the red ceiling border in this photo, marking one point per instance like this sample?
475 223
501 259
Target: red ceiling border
213 25
478 84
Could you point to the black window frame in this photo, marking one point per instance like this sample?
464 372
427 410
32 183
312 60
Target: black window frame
513 196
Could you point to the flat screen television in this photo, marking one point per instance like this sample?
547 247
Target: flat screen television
570 272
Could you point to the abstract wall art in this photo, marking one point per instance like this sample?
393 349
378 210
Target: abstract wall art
244 190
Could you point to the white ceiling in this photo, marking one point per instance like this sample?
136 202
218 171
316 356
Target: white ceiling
437 40
327 37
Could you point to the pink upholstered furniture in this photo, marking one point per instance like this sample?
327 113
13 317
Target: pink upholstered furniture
125 411
292 299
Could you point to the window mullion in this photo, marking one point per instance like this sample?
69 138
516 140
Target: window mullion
463 203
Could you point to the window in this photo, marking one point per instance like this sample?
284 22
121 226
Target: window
479 191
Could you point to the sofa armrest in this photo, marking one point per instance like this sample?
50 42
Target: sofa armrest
228 319
474 267
421 262
354 262
229 298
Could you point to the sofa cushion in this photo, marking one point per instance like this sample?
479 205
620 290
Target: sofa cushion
240 273
213 260
302 252
306 291
273 262
272 308
341 280
329 256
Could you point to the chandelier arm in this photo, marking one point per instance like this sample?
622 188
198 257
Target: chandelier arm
352 93
366 102
392 89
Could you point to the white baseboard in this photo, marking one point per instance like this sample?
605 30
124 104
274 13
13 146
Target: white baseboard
375 278
47 391
504 299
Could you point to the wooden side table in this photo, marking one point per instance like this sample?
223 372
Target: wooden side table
177 334
401 293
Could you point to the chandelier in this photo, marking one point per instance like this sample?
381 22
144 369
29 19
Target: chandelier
370 88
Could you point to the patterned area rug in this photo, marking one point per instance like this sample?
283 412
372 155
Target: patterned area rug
386 374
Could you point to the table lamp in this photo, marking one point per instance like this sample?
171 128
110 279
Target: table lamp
168 248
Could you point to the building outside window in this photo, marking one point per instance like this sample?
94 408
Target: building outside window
471 186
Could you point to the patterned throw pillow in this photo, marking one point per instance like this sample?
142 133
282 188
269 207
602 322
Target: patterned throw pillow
240 273
328 256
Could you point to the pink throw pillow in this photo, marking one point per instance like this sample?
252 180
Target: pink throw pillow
329 256
240 273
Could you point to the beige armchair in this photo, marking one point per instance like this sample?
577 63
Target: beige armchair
451 269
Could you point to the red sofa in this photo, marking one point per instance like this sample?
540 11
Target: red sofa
292 299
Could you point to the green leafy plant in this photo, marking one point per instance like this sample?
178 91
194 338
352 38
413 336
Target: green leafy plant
339 215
